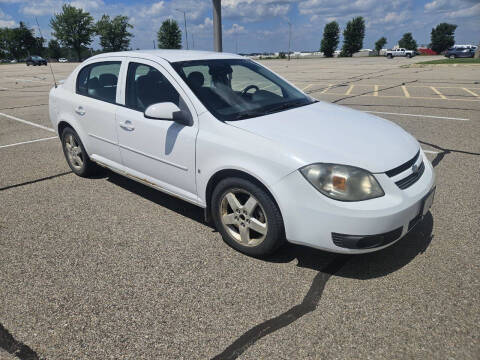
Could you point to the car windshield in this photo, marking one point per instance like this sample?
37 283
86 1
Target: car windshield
36 58
234 89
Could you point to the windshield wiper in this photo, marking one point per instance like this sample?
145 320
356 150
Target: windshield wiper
287 105
272 109
247 115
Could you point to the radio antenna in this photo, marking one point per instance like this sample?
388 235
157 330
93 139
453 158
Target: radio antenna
49 64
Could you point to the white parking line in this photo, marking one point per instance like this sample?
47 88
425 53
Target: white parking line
27 122
419 115
29 80
429 151
28 142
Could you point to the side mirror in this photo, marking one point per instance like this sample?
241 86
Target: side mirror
168 111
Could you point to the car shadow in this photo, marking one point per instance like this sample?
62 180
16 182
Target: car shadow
364 266
167 201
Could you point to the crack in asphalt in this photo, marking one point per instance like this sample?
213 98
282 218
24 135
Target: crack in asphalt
308 304
439 157
35 181
15 347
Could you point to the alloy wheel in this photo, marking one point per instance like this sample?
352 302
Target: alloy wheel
243 217
74 152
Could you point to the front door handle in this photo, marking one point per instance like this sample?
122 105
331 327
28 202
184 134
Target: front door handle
80 110
127 125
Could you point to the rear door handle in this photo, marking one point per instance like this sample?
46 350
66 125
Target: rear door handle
80 110
127 125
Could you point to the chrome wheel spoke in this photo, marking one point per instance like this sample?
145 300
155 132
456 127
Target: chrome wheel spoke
233 201
244 235
257 226
229 219
250 205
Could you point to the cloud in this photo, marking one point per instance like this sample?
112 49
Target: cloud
49 7
254 10
235 29
6 20
154 9
7 23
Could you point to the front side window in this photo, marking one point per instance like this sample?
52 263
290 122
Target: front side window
99 80
235 89
146 86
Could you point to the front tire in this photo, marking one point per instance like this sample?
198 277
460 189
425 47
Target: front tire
452 56
247 217
75 154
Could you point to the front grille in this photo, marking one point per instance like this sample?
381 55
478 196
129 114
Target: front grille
412 178
403 167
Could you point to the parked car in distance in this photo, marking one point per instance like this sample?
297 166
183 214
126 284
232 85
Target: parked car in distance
62 60
35 60
13 61
391 53
265 161
460 52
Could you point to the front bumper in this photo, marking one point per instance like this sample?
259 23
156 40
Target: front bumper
311 218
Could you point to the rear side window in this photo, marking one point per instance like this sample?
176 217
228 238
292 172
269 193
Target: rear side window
99 80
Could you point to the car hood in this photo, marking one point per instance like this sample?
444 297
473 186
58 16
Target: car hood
323 132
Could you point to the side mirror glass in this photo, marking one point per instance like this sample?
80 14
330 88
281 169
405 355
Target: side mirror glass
168 111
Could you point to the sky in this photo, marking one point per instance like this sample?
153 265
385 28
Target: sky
262 25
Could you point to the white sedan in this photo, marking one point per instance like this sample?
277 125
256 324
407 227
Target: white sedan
267 162
62 60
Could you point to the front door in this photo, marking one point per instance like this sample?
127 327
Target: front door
157 151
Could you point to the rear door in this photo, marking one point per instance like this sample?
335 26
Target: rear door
161 152
95 107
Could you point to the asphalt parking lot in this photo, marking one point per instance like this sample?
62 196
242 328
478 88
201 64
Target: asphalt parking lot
108 268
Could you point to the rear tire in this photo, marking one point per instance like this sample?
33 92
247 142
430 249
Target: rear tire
75 154
409 56
389 56
247 217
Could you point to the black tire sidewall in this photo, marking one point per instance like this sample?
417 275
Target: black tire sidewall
275 234
88 165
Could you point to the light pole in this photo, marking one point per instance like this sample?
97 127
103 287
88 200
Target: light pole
217 25
185 22
289 38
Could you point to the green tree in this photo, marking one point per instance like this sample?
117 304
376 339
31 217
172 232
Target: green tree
331 34
408 42
54 50
380 44
169 35
353 36
73 28
19 42
114 35
442 37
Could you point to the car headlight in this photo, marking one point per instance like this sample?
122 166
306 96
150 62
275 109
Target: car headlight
342 182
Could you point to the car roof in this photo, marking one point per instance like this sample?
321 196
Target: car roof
172 55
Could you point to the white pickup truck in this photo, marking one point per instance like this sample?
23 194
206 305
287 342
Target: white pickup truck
399 52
